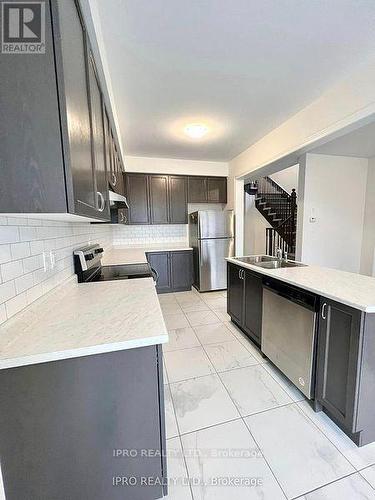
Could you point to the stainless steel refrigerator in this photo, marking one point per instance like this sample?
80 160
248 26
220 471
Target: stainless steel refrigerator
211 235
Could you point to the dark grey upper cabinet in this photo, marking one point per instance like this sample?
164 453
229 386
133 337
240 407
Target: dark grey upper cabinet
98 145
159 210
120 184
217 189
207 189
31 161
178 213
253 301
52 155
108 149
138 198
198 190
72 72
168 196
338 361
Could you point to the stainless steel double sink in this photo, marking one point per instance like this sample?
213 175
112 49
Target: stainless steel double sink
268 262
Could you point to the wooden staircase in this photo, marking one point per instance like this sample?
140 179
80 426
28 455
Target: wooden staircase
279 208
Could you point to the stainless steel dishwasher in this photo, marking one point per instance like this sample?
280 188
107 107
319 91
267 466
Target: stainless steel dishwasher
289 332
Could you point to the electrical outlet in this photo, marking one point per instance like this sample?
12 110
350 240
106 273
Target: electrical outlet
45 262
52 259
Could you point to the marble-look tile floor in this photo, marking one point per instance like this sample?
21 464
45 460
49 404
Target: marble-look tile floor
237 429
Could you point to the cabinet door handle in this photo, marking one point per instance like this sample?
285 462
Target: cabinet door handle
324 307
102 201
239 273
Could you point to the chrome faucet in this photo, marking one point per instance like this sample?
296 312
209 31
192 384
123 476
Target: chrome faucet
279 253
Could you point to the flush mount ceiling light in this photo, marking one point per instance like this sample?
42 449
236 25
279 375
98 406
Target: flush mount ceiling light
196 130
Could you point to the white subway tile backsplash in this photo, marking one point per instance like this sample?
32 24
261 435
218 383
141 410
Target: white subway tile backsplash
27 233
23 277
140 235
11 270
20 250
32 263
5 254
7 291
16 221
22 243
9 234
36 247
24 282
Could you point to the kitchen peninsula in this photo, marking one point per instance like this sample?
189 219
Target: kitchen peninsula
342 306
81 383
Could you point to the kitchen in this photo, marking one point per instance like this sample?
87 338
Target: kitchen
143 352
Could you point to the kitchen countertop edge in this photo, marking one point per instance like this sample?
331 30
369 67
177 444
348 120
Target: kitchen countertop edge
81 352
272 273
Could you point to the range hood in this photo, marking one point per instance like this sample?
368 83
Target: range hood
117 200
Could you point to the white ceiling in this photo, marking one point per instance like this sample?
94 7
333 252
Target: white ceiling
242 66
359 143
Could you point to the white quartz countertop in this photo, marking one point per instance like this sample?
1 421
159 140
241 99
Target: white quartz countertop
84 319
355 290
118 255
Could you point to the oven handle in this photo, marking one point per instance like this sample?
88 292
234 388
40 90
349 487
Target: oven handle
155 275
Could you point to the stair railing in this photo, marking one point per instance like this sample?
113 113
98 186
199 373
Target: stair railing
280 209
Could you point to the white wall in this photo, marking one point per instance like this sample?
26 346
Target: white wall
174 166
254 228
287 178
334 192
368 241
254 223
347 102
347 105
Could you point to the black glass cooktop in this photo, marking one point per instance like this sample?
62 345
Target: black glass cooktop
125 272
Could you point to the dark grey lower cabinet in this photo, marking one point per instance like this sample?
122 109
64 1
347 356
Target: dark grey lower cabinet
235 293
253 303
245 300
345 369
174 270
181 270
81 428
160 262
